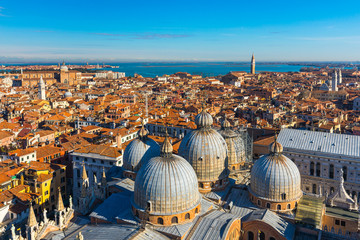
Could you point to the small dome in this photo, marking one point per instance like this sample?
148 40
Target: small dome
203 119
139 151
235 146
275 177
68 94
166 185
64 68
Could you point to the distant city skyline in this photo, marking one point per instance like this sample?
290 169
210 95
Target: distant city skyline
127 31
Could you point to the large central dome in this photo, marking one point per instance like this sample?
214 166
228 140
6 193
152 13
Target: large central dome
166 189
205 149
275 181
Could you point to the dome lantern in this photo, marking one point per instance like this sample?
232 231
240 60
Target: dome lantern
204 119
142 132
225 124
275 147
167 148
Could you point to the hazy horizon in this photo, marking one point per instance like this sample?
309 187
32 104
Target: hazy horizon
109 62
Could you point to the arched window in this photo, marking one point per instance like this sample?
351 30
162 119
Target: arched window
331 171
201 185
233 168
288 206
149 206
262 236
259 202
196 210
250 235
283 196
278 207
187 216
312 165
160 221
345 173
174 220
318 169
267 205
314 188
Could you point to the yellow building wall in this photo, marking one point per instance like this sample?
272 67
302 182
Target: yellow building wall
329 222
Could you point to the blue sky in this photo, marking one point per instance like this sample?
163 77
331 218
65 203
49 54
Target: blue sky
172 30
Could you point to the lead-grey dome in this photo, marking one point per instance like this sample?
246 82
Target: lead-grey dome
205 149
167 184
64 67
275 177
234 142
68 94
139 151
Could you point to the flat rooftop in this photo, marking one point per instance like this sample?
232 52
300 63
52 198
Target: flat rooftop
328 143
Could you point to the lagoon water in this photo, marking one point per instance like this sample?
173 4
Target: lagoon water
202 68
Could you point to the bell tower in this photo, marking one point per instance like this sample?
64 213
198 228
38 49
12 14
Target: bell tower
252 69
41 90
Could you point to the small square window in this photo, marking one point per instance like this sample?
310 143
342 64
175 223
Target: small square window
337 222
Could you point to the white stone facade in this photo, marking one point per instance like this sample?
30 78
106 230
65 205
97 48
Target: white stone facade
320 158
94 164
320 172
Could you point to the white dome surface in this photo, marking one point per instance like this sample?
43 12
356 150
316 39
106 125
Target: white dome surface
275 177
169 184
138 152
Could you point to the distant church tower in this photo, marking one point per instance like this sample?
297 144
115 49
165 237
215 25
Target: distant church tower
42 94
252 70
334 82
340 77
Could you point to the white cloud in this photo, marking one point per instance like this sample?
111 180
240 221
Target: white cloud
1 9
